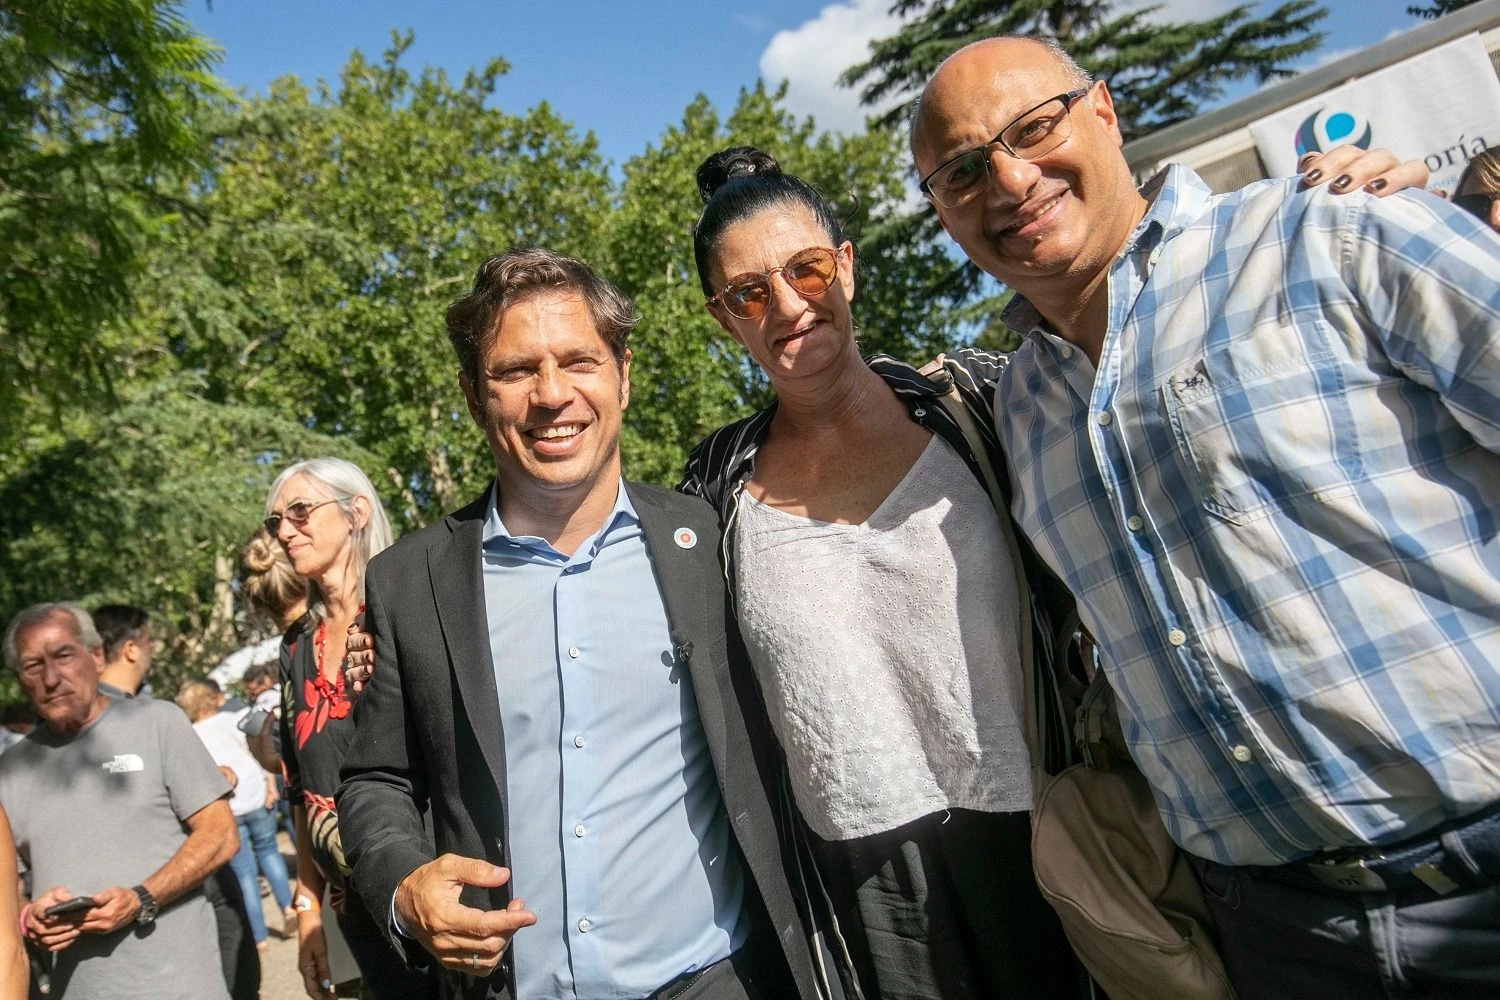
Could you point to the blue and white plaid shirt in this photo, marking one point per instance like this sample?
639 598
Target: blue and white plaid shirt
1278 501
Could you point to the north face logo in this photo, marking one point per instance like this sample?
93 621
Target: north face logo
123 763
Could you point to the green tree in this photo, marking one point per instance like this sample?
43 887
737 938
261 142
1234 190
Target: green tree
341 221
1158 72
689 376
1437 8
149 505
100 102
291 305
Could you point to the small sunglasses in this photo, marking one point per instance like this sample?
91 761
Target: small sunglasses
808 271
1476 204
298 511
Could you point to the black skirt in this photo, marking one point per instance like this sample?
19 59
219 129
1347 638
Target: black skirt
946 908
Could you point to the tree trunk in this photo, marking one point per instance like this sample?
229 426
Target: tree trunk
444 490
407 498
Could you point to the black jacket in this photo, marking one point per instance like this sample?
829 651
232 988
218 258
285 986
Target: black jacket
721 464
419 721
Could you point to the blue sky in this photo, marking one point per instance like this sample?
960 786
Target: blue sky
625 70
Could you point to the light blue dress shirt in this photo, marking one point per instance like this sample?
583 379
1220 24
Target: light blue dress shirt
619 841
1276 500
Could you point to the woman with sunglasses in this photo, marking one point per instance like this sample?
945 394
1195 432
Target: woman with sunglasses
879 599
868 568
1478 190
325 514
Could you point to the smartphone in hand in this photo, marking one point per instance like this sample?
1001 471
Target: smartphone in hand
78 904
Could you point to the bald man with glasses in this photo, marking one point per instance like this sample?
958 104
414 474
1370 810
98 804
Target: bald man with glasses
1258 435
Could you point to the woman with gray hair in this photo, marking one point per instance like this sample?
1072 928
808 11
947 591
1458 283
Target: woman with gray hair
329 521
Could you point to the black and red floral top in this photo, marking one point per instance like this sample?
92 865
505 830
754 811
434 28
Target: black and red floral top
317 725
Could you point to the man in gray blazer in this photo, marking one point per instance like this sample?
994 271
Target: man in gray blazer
560 685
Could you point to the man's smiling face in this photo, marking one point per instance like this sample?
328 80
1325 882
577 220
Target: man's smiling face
1063 214
550 397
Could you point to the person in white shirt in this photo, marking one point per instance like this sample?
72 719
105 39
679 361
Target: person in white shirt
253 804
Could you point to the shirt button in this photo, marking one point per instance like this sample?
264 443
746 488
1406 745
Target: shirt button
1065 351
1134 522
1105 418
1177 637
584 926
578 742
1242 754
573 652
919 412
579 831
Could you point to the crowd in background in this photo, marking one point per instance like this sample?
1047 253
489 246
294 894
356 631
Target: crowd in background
881 689
239 735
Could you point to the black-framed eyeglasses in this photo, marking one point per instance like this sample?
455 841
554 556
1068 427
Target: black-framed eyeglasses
1476 203
809 271
298 511
1031 134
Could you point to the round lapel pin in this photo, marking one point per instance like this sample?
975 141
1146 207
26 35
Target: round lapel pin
685 538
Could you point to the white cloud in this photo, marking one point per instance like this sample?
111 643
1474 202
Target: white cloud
811 56
1178 11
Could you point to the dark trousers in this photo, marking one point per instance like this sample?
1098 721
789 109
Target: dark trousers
1285 935
382 973
947 908
734 978
236 942
756 971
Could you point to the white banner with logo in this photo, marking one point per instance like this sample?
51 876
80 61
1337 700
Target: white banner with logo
1442 107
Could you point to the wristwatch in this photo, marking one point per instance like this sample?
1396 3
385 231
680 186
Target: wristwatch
149 907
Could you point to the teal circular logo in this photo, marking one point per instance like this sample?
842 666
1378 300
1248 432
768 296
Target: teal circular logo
1329 127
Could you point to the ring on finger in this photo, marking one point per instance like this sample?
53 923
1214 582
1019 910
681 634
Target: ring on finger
474 959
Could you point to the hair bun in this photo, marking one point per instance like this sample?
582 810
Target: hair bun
260 552
727 164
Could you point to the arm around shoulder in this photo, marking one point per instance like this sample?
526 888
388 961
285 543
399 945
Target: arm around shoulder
1427 276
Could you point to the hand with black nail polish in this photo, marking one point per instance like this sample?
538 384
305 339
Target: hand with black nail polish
1353 168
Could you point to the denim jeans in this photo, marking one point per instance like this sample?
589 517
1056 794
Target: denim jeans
258 851
283 811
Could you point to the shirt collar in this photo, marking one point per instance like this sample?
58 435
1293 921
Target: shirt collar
496 535
1177 199
113 691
